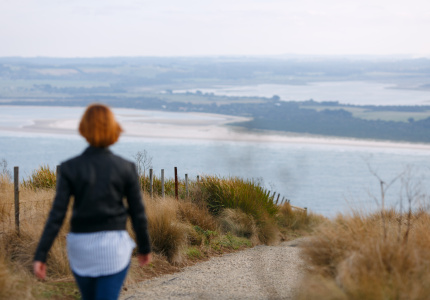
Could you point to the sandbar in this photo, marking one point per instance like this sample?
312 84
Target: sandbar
196 126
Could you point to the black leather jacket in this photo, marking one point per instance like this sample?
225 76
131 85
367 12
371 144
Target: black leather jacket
99 181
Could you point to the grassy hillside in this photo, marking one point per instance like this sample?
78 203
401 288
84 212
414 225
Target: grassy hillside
219 215
382 255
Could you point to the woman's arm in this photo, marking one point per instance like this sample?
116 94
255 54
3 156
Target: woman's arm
137 212
144 259
39 269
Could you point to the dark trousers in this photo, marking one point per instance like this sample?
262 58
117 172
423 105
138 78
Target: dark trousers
103 287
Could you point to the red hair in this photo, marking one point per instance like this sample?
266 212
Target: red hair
99 127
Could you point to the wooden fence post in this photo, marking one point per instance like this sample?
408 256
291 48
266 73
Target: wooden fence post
186 185
306 211
277 199
198 178
162 183
176 184
16 194
151 183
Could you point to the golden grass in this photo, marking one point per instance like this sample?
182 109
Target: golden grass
13 283
293 219
353 257
239 223
182 231
42 178
196 214
168 233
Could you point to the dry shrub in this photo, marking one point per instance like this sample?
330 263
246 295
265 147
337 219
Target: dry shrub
6 196
20 249
196 214
290 218
359 258
268 232
35 205
13 285
6 184
239 223
168 234
296 219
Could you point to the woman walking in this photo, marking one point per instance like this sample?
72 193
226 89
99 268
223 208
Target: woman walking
98 245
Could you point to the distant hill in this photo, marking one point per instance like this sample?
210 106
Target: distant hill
149 82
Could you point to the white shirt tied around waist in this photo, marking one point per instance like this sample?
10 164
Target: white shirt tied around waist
99 253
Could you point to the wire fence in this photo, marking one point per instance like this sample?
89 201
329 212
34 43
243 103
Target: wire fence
15 213
30 213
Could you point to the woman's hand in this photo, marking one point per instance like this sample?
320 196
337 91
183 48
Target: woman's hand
39 269
144 259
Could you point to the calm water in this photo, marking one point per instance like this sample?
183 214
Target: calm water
346 92
325 178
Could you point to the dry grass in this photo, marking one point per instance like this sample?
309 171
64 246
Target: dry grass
168 233
182 231
20 248
197 214
269 233
355 257
239 223
13 283
293 219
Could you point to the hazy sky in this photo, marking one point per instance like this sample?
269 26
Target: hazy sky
90 28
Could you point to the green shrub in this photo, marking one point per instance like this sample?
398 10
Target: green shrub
194 253
206 234
248 196
230 241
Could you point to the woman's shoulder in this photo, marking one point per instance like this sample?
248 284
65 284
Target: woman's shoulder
105 157
123 161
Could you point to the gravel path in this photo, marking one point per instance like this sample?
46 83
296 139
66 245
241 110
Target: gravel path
262 272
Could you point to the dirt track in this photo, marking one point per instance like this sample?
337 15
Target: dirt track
263 272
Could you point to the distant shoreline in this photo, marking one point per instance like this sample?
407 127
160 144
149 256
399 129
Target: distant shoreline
196 126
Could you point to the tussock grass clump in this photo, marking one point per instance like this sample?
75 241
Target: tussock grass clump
295 219
42 178
5 181
197 214
239 223
168 234
13 285
358 257
6 196
269 233
248 196
19 249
